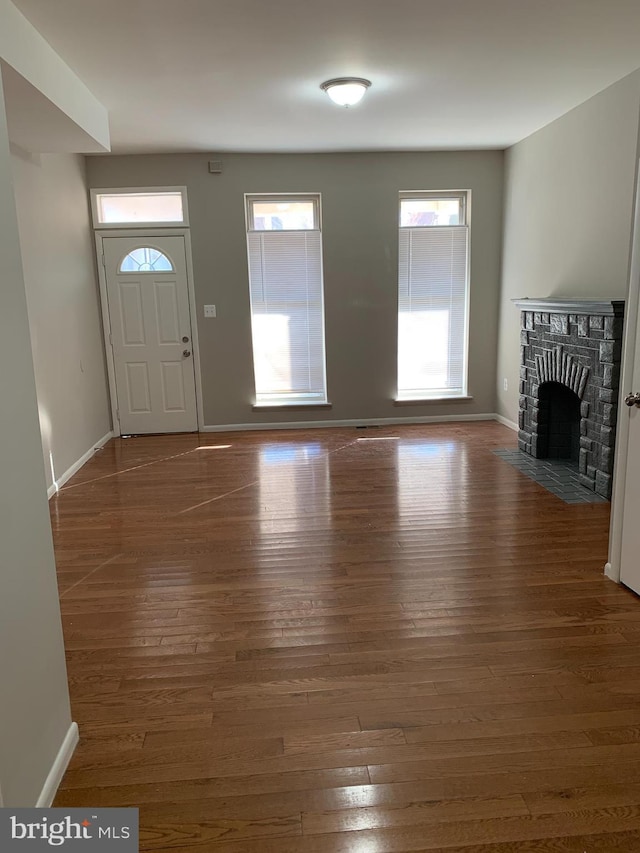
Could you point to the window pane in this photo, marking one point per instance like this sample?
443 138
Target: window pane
287 316
283 216
139 207
146 259
423 350
423 212
432 307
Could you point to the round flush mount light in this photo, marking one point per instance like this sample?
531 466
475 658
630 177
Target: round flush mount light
346 91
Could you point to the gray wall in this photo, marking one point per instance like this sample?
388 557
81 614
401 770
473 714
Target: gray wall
62 296
569 191
359 204
34 700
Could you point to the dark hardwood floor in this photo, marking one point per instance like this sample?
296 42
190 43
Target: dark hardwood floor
346 641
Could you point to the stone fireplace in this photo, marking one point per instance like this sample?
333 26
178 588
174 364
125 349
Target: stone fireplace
569 379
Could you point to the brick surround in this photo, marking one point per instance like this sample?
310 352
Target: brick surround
575 345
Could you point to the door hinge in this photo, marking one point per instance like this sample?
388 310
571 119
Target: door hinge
104 263
110 339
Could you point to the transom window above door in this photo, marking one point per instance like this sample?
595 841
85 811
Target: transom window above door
139 207
146 259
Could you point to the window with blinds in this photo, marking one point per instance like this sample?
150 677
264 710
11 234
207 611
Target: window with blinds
433 290
287 311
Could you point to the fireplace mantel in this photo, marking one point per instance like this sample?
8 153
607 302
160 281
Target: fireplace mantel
558 305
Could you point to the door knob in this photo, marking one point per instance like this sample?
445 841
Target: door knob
186 353
632 400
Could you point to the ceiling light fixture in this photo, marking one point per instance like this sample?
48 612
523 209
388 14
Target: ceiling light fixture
346 91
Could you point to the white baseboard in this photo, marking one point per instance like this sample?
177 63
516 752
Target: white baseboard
611 573
68 474
355 422
506 422
59 767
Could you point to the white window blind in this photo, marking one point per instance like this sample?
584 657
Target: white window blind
432 311
287 316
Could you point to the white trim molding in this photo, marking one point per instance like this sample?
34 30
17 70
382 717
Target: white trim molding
612 573
352 422
58 768
68 474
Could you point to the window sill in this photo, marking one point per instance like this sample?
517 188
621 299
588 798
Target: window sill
278 407
412 402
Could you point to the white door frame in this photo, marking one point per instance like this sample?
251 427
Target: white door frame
631 316
106 322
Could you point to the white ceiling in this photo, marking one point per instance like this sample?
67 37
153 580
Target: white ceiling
244 75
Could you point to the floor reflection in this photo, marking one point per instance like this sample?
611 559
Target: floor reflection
428 469
293 484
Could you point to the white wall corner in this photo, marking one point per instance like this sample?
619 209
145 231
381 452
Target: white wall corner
58 768
77 465
32 58
506 422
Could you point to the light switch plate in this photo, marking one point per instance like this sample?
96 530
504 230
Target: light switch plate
209 310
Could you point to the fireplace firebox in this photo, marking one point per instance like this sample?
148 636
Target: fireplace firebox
558 423
569 382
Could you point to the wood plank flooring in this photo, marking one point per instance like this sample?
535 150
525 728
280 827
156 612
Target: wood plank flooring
346 641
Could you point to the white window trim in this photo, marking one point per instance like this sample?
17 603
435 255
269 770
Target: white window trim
103 226
465 196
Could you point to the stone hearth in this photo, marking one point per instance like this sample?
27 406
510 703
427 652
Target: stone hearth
575 344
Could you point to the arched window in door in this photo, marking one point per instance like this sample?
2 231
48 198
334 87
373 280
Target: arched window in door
146 259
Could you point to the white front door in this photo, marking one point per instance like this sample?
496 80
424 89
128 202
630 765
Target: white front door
150 327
